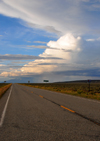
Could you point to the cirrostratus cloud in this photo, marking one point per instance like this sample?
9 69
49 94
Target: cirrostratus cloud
54 16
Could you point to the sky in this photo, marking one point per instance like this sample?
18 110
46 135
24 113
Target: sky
51 40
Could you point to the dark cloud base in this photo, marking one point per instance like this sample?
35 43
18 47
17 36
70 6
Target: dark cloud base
87 72
58 76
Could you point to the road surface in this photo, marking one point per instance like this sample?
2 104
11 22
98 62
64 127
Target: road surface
31 114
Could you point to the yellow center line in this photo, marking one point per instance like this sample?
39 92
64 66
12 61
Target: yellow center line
41 96
67 109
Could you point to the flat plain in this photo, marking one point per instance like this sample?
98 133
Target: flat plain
86 90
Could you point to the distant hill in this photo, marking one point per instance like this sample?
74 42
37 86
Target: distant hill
80 81
25 80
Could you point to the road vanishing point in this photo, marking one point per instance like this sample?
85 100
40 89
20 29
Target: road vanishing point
31 114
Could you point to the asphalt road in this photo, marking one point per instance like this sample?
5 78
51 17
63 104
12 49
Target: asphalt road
33 114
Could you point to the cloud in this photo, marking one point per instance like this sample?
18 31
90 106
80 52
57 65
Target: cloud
23 57
53 16
18 62
86 0
98 39
13 66
82 72
2 65
57 76
62 48
48 47
40 42
90 40
52 29
71 21
34 46
95 7
82 60
67 41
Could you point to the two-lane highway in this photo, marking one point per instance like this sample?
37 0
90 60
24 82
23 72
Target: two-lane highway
41 115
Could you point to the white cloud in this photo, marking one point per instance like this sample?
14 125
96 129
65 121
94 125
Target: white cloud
40 42
84 57
58 49
90 40
53 16
75 18
61 46
65 42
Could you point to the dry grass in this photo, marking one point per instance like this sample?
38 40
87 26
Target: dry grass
4 88
77 89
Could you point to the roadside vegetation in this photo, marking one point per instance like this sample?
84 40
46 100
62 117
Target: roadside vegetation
77 89
3 88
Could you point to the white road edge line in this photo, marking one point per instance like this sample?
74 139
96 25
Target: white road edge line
4 110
